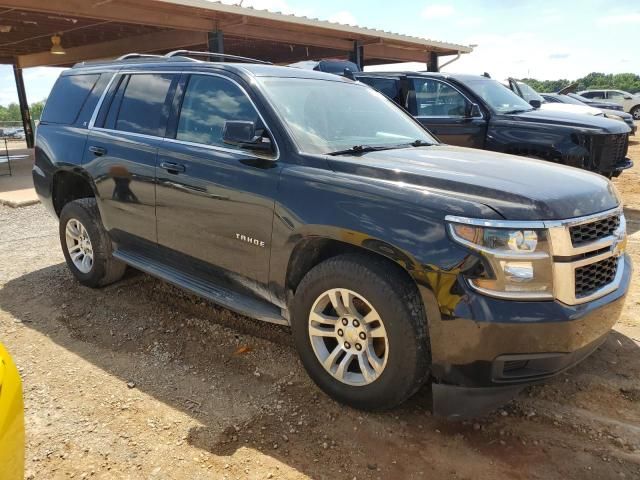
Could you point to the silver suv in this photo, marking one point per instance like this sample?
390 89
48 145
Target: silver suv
630 102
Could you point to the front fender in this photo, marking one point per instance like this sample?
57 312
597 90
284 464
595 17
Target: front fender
396 223
539 140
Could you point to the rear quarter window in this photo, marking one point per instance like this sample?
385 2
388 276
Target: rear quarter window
67 97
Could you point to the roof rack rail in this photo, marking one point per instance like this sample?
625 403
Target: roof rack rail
193 53
137 55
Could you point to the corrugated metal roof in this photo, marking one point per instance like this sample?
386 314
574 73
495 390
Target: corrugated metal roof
315 22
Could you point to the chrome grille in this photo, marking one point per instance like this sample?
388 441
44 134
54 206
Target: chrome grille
592 231
587 256
591 278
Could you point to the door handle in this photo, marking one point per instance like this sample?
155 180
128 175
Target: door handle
97 151
172 167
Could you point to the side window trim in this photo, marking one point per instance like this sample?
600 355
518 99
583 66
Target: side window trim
107 91
113 111
177 107
448 85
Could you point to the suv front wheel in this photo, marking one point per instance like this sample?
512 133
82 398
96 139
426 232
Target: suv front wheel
360 330
86 245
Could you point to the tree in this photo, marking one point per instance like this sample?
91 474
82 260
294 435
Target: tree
629 82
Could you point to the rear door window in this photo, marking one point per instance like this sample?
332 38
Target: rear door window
143 106
67 97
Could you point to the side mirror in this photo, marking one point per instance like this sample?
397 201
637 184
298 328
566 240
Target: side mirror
628 97
473 110
243 134
535 103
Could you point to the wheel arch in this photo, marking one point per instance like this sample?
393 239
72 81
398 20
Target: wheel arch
70 185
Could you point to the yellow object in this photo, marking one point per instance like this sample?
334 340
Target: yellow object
11 420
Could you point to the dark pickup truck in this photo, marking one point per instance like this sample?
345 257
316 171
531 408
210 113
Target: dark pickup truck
478 112
310 200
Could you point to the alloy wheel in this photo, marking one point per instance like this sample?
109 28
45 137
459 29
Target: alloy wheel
79 245
348 337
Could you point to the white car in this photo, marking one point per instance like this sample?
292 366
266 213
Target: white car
529 94
630 102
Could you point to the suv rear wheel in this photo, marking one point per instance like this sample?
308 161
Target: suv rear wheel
86 245
360 330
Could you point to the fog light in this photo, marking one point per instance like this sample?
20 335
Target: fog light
518 271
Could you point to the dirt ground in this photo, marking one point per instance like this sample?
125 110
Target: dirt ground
142 381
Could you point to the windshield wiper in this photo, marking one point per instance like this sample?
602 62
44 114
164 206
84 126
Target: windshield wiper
371 148
362 149
517 110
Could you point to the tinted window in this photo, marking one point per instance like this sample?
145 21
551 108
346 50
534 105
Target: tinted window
143 105
389 87
337 66
208 103
593 94
437 99
67 97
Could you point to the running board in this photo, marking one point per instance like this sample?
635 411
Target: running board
238 302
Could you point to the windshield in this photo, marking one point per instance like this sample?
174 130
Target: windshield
579 98
529 93
572 101
497 96
325 116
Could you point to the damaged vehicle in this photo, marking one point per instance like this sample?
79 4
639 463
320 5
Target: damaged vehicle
312 201
479 112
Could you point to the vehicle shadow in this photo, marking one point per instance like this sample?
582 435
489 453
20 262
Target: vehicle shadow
241 381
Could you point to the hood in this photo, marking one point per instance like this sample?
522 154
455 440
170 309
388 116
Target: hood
569 108
618 113
598 123
518 188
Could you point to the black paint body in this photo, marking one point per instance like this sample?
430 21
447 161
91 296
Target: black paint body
389 203
592 143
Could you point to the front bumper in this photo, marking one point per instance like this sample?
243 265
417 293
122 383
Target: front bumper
485 349
625 164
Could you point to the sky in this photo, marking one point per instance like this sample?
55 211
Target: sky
544 39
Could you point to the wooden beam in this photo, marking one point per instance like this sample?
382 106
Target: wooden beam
396 54
116 11
151 42
285 36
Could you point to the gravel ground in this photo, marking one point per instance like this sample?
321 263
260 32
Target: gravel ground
140 380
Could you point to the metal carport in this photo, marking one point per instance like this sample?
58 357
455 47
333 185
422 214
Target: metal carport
96 29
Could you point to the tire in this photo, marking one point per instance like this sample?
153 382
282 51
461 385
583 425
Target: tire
635 111
404 352
82 219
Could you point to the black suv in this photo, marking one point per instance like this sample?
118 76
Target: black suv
310 200
478 112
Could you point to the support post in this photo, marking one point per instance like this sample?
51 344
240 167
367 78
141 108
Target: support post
432 62
24 106
357 54
215 42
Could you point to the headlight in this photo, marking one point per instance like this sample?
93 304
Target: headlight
518 259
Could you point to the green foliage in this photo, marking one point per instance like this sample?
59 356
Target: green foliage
629 82
11 113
